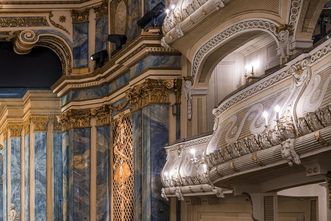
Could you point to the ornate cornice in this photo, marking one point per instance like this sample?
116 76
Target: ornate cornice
23 21
75 119
15 129
102 115
80 16
152 91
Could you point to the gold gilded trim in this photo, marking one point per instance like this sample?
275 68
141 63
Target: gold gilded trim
24 21
56 25
80 16
40 122
75 119
102 115
15 129
152 91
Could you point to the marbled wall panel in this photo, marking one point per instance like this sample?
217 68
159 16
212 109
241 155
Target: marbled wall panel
132 18
3 181
151 4
103 172
15 172
65 174
79 175
155 137
101 35
137 147
80 47
155 61
40 175
27 176
57 177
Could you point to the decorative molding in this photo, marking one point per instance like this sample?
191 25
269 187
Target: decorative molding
75 119
15 129
40 122
26 126
59 46
152 91
214 42
288 152
295 9
25 41
80 16
102 115
23 21
62 19
187 14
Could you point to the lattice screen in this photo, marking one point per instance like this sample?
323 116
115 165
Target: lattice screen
123 188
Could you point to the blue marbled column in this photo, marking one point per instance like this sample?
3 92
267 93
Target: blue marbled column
3 198
15 172
137 144
103 172
27 177
65 174
155 137
80 49
79 174
101 35
57 177
40 175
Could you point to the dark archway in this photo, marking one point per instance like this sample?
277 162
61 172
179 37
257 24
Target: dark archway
39 69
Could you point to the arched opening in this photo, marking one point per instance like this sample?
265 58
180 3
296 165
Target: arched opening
322 29
253 56
41 68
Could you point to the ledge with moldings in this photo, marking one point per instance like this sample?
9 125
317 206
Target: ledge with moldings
143 54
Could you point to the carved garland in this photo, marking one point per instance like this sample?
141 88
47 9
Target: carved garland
50 16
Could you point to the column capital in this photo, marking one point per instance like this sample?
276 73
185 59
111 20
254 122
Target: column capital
75 119
40 122
15 129
102 115
80 16
152 91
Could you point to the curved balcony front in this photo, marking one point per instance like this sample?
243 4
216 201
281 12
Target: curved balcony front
279 121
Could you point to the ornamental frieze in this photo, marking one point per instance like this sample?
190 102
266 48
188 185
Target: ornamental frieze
15 129
152 91
75 119
26 21
80 16
102 115
40 122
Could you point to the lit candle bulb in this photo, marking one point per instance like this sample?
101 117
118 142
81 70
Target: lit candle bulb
166 175
193 153
265 115
172 7
277 110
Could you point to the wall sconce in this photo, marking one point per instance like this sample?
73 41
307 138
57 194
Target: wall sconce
277 110
249 71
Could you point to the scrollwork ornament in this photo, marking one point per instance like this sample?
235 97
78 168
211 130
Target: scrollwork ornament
288 152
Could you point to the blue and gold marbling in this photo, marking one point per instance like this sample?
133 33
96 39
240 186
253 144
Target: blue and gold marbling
101 35
27 177
15 173
137 147
133 15
155 137
57 177
79 174
80 47
40 175
65 174
149 62
103 172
